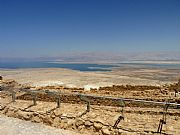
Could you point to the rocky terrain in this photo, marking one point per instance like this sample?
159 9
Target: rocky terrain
100 116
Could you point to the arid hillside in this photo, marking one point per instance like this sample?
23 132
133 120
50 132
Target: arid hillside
112 110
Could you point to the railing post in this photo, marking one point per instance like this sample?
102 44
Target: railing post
58 101
88 106
163 120
87 101
13 96
121 117
34 98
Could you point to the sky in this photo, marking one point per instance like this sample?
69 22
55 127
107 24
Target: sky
44 28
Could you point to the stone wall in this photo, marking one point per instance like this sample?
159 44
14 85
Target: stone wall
81 125
99 121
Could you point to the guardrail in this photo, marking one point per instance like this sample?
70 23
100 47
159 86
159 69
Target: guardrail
102 97
84 97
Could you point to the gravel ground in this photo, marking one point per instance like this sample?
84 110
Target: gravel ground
13 126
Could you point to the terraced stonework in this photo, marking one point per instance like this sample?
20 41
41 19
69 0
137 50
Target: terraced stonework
99 120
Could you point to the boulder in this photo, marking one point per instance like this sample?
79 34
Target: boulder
64 124
81 128
99 120
53 116
47 120
35 113
79 122
89 87
71 123
97 126
56 122
57 112
88 123
105 131
36 119
24 115
5 110
10 112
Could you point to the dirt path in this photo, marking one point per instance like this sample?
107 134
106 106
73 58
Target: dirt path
13 126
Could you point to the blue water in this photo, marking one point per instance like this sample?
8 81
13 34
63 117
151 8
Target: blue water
80 67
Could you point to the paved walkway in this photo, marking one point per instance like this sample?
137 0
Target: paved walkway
13 126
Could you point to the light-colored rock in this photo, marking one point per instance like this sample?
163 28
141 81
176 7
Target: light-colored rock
170 128
47 120
41 116
99 120
24 115
35 113
92 115
36 119
64 115
97 126
89 87
81 128
10 112
88 123
53 116
71 123
105 131
57 112
64 124
5 110
79 122
56 122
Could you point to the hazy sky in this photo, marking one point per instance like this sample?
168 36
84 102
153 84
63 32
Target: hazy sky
32 28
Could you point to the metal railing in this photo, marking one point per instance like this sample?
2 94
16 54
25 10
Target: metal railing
53 93
84 98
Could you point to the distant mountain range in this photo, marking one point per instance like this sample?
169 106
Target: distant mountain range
104 57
